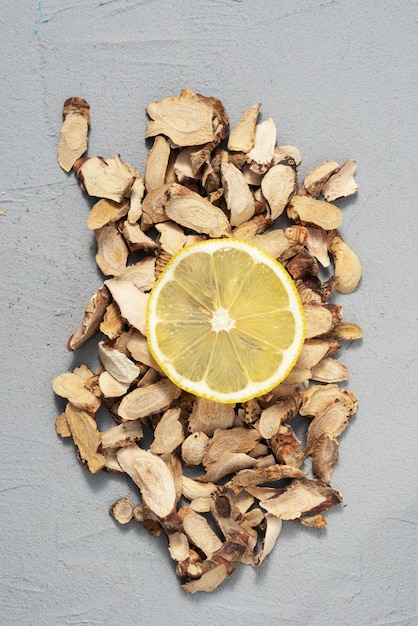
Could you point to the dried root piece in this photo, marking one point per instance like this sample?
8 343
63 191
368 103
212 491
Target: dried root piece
187 121
136 239
255 226
122 510
303 497
223 562
174 465
86 437
190 210
347 264
135 199
242 137
259 476
249 412
290 154
198 531
311 212
110 387
72 387
157 163
324 457
153 207
106 211
220 120
198 493
178 546
273 416
172 238
118 364
286 447
193 448
207 416
348 331
183 166
239 199
141 274
278 185
152 476
132 302
312 521
342 183
105 178
314 182
314 350
122 435
138 347
93 315
227 463
261 155
329 370
234 526
148 400
112 325
273 242
112 251
319 320
273 530
332 409
209 580
74 132
318 398
61 426
301 264
168 434
317 245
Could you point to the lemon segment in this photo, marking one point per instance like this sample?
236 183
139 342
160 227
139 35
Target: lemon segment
225 321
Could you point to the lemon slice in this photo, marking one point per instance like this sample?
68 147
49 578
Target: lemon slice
225 321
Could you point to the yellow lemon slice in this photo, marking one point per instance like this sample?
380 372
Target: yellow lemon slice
225 321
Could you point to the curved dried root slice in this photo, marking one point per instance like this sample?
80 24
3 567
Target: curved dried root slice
311 212
152 476
86 437
74 132
342 183
347 264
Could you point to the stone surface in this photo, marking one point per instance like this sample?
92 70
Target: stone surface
338 79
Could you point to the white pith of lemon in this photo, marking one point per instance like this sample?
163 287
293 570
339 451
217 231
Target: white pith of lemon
225 321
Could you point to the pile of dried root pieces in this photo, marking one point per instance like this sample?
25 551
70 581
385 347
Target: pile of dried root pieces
217 479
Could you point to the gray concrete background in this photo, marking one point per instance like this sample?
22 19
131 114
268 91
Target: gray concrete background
340 80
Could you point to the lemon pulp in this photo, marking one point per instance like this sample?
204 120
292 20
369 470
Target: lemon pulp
225 321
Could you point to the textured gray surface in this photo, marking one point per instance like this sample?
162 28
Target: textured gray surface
339 78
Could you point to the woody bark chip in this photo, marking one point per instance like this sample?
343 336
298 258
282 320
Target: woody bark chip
219 480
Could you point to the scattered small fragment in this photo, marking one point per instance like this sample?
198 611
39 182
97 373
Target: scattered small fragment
219 480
